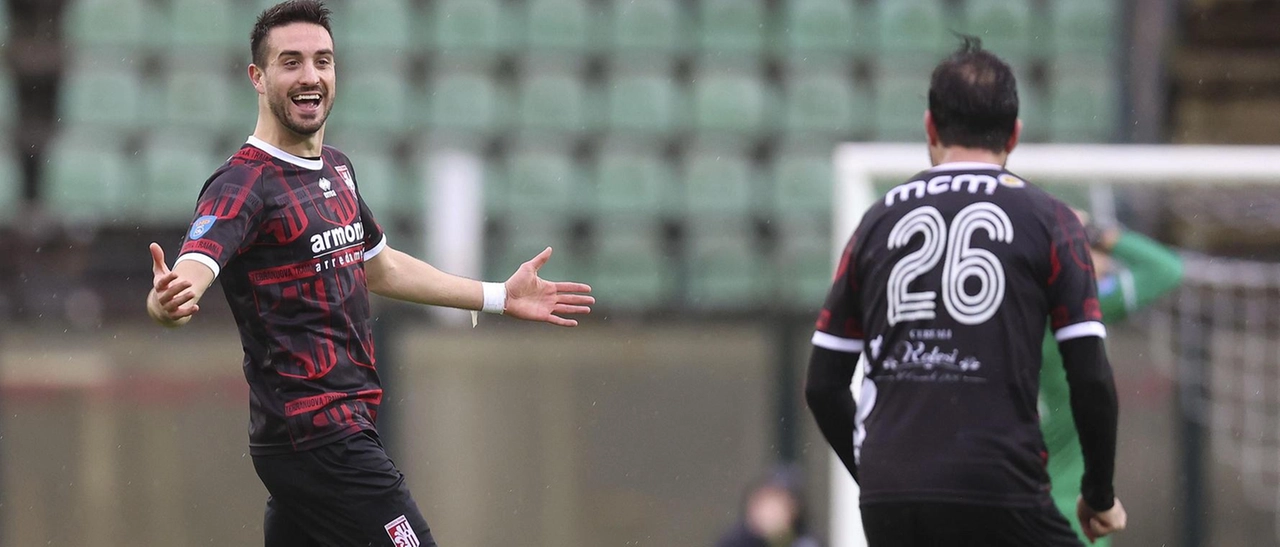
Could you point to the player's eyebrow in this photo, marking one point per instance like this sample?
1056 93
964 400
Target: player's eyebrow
296 53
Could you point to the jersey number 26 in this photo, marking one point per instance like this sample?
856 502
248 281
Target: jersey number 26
961 263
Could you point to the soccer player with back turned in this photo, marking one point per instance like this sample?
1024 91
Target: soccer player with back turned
947 285
282 224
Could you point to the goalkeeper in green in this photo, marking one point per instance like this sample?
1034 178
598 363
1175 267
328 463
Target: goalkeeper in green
1132 271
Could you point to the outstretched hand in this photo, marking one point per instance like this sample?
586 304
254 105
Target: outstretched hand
532 298
170 302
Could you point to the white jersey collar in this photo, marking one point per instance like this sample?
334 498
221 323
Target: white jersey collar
314 165
965 166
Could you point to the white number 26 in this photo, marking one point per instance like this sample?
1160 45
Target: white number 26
962 262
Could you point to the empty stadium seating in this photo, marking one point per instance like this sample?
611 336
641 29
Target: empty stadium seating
698 113
823 28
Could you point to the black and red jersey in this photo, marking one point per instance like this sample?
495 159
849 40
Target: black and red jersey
946 286
288 237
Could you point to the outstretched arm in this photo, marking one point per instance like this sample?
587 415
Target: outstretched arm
394 274
175 294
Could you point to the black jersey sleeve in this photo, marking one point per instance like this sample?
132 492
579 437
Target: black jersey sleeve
839 326
1072 288
1095 409
227 213
827 394
375 239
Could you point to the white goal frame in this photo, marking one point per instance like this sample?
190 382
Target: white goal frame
858 165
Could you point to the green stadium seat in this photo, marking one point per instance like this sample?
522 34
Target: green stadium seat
1082 107
470 27
88 179
913 27
802 185
826 103
731 26
1005 26
1085 26
539 182
726 272
199 99
718 183
528 235
559 26
556 102
102 96
372 100
205 24
817 27
629 271
726 102
174 168
372 28
805 270
467 102
90 25
630 182
900 102
648 27
643 103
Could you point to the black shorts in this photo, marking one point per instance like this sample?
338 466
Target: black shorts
922 524
344 494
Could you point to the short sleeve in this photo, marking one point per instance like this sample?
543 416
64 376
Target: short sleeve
375 239
839 326
1074 310
227 212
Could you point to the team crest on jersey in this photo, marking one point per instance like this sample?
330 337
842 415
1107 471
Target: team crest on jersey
346 177
401 533
1011 181
201 227
327 187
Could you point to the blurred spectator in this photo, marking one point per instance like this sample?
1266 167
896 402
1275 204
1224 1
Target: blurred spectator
773 515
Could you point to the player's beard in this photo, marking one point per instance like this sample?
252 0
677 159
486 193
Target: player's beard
280 103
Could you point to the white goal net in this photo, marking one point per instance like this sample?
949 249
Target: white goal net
1216 339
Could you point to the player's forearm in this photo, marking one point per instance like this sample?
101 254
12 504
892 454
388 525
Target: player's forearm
181 297
1156 269
394 274
1096 411
827 394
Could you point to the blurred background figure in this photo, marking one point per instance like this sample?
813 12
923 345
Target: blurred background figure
1133 271
773 515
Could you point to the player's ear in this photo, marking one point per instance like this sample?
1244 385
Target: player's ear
1013 137
930 129
256 75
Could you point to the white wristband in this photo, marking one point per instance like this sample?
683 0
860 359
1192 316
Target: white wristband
495 298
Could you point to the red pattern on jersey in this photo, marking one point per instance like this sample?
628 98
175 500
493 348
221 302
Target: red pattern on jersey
1092 309
292 221
303 312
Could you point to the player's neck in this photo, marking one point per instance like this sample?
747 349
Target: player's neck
303 146
956 154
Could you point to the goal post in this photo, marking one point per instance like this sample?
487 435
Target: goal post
858 166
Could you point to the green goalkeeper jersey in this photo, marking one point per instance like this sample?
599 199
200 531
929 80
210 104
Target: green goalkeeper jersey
1145 271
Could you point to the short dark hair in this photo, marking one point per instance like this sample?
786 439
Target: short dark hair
284 13
973 98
